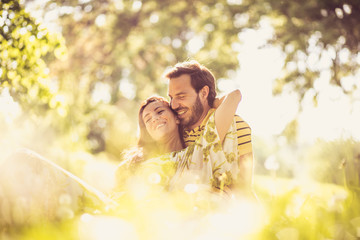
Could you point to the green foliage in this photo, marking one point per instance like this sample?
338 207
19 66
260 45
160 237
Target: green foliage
308 210
335 162
24 46
293 210
135 41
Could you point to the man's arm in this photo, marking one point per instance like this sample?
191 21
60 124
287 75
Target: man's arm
245 151
225 112
246 168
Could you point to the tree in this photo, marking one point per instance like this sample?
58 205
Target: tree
25 46
316 36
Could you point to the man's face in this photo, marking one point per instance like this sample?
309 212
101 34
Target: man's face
185 101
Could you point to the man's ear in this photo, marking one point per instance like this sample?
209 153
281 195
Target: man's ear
177 121
204 92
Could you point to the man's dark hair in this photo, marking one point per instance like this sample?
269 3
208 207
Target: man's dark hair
199 74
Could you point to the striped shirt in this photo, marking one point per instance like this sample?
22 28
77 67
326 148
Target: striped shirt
243 134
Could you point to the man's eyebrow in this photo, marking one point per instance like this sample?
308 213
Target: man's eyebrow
177 94
180 93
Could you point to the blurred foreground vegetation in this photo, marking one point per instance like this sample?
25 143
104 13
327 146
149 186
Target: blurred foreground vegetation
290 210
74 72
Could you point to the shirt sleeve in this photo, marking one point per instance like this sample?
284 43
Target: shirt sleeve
243 131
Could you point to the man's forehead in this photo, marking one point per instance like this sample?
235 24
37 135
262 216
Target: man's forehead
180 85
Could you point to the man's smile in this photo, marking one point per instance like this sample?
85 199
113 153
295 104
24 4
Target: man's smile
181 112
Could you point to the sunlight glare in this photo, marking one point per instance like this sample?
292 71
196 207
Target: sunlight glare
9 109
260 65
119 4
100 174
259 104
100 20
138 189
195 44
331 119
347 8
136 6
176 43
101 93
105 227
191 188
154 18
271 163
344 55
234 2
154 178
240 219
127 89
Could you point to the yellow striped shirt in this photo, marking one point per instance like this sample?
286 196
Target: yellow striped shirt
243 134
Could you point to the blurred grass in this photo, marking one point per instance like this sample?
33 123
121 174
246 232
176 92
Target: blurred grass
292 210
308 209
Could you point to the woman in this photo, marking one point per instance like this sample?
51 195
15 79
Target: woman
207 164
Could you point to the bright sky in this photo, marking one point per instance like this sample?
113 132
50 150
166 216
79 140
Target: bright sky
334 117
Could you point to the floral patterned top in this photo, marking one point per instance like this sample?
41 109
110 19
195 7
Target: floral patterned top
208 162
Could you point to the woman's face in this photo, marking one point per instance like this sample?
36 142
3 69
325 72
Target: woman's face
160 121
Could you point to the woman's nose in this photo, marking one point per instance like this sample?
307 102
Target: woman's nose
155 118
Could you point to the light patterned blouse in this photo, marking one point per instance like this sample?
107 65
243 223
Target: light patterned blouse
207 163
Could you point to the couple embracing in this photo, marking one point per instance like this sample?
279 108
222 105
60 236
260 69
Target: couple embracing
197 134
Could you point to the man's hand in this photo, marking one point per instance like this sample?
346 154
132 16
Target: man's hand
218 101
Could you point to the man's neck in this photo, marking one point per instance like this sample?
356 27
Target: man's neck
201 119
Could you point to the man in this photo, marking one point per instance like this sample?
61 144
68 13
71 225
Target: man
192 93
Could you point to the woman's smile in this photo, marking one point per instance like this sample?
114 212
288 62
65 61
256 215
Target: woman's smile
160 125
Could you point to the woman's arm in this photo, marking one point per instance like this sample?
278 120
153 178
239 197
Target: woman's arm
224 114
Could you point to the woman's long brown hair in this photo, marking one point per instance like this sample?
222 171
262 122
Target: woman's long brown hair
147 147
151 147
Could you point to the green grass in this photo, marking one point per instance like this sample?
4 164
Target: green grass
291 210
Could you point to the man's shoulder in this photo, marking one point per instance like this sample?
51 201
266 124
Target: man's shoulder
238 118
240 121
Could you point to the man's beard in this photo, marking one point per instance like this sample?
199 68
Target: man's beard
197 110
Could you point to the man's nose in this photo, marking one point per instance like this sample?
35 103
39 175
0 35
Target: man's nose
174 104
